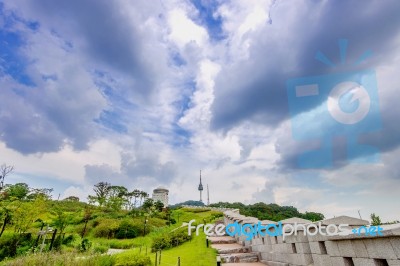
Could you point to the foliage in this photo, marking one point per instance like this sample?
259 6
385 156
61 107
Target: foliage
132 258
272 211
196 210
18 191
72 198
167 241
187 203
375 219
61 259
106 228
84 245
15 244
127 229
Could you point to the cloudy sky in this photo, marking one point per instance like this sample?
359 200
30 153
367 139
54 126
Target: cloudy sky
147 93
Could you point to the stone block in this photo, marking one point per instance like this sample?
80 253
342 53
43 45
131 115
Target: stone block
322 260
396 246
332 248
267 240
359 248
300 259
363 262
393 262
346 248
266 256
303 248
380 248
340 261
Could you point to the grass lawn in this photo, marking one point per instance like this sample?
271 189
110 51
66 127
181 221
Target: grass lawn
192 253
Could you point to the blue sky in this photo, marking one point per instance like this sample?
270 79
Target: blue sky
147 93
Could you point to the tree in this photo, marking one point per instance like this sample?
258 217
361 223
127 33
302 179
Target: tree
143 195
18 191
27 213
44 193
159 205
117 197
72 198
5 170
101 189
61 219
136 195
313 216
375 219
148 204
6 214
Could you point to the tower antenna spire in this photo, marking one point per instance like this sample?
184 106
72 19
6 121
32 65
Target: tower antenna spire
200 189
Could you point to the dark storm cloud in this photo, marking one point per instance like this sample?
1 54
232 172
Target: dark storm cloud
255 89
103 30
71 43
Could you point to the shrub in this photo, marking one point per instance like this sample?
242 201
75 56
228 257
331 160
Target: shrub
132 258
126 229
84 245
99 248
13 244
106 228
68 240
173 239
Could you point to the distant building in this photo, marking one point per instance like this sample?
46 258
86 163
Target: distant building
161 194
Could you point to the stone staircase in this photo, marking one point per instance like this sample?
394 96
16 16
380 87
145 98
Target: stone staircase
232 253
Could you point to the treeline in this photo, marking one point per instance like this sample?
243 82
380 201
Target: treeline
118 197
272 211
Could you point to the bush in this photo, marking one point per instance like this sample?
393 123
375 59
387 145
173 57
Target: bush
68 240
99 248
13 244
173 239
132 258
196 210
84 245
106 228
126 229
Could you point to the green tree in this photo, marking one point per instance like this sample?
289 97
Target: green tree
159 205
26 213
143 195
375 219
101 189
61 219
44 193
117 197
18 191
313 216
72 198
148 204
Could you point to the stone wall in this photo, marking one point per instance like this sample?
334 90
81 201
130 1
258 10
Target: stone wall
344 249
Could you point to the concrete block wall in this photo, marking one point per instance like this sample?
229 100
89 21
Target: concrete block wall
345 249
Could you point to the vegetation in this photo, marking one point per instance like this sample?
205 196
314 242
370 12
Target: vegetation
272 211
375 219
36 230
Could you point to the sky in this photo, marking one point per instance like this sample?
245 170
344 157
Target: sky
146 93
